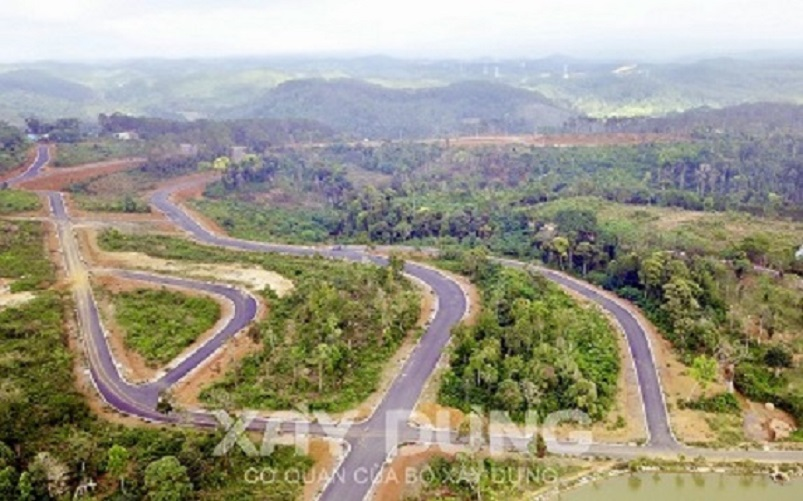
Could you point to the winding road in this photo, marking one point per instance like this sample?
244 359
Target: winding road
369 443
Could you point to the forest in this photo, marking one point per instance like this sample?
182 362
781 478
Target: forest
700 232
533 348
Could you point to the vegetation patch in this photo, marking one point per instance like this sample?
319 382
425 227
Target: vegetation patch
22 255
533 347
72 154
160 324
324 343
722 403
468 477
13 201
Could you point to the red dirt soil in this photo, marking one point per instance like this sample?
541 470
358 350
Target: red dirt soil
57 179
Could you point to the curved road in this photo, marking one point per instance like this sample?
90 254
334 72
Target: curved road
368 442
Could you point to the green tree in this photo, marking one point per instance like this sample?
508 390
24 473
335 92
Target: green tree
8 483
778 357
509 395
166 480
560 245
118 463
25 486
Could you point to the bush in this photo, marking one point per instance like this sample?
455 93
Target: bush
723 403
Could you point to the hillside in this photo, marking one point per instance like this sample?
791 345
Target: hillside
241 87
376 112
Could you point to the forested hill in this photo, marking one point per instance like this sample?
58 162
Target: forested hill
376 112
749 118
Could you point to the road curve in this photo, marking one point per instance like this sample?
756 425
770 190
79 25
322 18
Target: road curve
369 447
137 399
39 162
367 441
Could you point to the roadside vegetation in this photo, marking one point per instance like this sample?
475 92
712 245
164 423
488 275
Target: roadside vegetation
533 348
99 150
701 233
160 324
51 444
13 147
324 344
13 201
22 256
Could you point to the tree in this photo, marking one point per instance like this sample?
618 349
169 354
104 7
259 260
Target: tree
586 251
118 463
509 395
166 480
25 486
560 245
322 357
778 357
537 446
8 483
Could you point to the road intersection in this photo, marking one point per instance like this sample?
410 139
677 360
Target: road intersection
371 442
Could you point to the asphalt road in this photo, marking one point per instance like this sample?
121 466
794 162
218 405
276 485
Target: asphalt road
137 399
372 441
42 158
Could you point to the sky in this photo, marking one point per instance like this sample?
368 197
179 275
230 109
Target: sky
106 29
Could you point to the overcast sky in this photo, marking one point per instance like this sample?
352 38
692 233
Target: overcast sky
104 29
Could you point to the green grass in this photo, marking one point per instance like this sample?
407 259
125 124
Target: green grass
160 324
13 201
69 155
22 255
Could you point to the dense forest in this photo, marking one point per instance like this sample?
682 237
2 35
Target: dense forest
532 349
701 233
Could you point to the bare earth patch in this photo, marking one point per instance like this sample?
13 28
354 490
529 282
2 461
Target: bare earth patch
10 299
255 279
56 179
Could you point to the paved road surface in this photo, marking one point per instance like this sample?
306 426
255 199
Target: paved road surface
370 442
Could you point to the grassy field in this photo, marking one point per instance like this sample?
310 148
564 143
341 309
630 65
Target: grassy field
651 227
101 150
12 201
21 255
160 324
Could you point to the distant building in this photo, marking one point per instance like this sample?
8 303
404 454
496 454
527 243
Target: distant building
126 136
238 153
